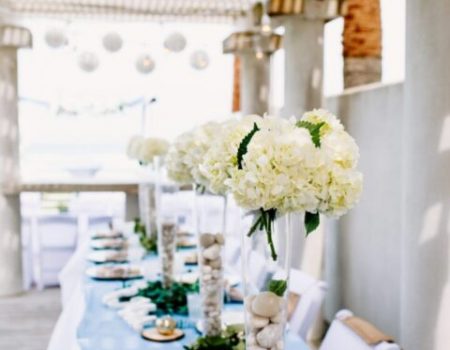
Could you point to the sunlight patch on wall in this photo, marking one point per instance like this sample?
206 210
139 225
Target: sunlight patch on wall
444 142
430 228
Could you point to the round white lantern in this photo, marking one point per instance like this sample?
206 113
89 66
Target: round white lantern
56 37
145 64
88 61
175 42
112 42
199 60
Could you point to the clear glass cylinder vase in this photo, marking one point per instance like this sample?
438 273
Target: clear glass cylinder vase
167 235
266 261
211 282
210 219
148 193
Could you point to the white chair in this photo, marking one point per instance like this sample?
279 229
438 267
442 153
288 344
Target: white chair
312 293
55 243
340 336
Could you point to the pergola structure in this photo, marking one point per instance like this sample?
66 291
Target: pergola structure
158 10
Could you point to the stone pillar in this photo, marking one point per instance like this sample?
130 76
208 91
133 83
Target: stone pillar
255 82
254 48
303 76
303 22
362 43
11 39
425 295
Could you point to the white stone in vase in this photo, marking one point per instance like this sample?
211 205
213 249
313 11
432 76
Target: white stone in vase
266 304
206 240
277 319
220 239
269 335
258 322
212 252
248 302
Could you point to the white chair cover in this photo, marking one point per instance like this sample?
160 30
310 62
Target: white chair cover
56 241
312 293
340 337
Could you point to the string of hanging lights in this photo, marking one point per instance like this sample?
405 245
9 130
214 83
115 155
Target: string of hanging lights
112 42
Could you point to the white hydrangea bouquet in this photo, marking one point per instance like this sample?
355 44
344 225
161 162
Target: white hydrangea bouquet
273 166
187 153
145 150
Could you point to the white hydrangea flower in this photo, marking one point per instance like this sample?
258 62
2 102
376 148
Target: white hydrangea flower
277 168
332 123
134 146
341 184
187 153
221 157
152 147
341 149
177 167
343 191
284 170
204 138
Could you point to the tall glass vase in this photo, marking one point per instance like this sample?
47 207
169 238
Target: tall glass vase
266 281
167 235
210 218
211 281
154 199
148 192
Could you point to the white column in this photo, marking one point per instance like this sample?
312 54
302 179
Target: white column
303 50
255 82
254 49
425 294
11 39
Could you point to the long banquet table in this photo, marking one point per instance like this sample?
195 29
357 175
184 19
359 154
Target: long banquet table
87 324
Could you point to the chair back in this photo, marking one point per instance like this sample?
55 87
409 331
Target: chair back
57 231
312 293
340 336
56 241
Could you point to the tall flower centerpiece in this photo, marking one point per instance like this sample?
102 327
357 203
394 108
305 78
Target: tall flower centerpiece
183 167
150 153
274 167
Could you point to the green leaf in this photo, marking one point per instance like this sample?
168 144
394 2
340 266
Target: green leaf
230 339
242 150
255 226
312 221
277 287
314 130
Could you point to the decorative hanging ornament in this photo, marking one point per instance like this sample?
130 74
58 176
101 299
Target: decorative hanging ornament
199 60
112 42
145 64
88 61
175 42
56 37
